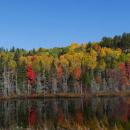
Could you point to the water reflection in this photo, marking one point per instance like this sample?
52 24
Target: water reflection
56 114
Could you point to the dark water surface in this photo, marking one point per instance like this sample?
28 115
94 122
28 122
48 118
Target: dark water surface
62 114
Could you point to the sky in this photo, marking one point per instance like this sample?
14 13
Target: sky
56 23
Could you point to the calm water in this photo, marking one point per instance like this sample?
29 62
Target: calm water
62 114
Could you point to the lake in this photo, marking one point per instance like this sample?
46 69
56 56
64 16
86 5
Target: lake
108 113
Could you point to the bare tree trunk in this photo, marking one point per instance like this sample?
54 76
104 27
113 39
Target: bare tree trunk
5 81
54 84
38 83
28 88
81 88
65 85
16 84
8 83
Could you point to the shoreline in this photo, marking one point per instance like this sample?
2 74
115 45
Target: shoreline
68 95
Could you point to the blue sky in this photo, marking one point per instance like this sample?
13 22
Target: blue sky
48 23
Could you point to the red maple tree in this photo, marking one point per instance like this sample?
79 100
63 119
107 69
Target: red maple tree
124 74
77 72
31 75
59 71
128 68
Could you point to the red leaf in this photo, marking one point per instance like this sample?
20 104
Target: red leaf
59 71
31 75
77 72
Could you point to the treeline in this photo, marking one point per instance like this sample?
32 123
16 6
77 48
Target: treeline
78 68
122 42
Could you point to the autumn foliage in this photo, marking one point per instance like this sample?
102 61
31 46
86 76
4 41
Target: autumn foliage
124 74
77 72
31 75
59 71
88 66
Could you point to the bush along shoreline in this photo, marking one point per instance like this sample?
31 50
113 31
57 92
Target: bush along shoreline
97 68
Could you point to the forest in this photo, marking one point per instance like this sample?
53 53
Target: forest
79 68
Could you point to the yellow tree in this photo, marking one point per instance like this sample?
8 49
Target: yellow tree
90 59
73 46
9 66
75 60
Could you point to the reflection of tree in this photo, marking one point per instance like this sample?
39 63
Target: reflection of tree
55 113
61 117
22 114
79 117
121 111
2 114
32 116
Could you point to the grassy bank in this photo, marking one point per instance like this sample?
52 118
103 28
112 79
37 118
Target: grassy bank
67 95
111 94
58 95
